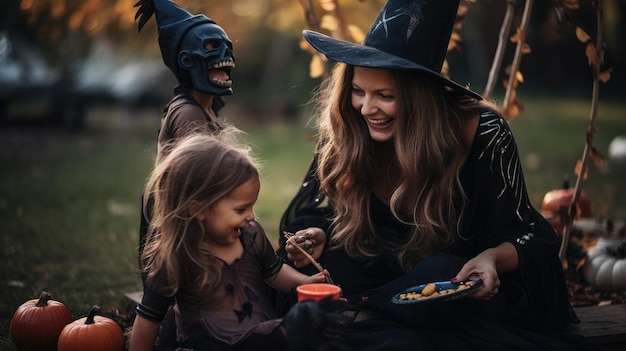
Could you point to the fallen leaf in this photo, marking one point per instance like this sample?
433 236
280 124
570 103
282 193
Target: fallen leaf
582 36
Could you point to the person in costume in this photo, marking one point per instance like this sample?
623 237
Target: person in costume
416 179
200 55
207 255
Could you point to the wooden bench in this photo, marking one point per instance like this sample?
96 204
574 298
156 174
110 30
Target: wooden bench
603 325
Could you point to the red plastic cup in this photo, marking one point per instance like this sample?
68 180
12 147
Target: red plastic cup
318 291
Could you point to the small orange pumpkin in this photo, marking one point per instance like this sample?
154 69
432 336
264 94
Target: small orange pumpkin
94 333
37 323
556 203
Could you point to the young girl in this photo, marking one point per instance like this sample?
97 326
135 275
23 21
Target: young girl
206 254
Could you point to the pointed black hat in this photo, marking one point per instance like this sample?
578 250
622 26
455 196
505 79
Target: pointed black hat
173 22
406 35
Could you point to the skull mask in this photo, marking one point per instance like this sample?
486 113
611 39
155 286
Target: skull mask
206 56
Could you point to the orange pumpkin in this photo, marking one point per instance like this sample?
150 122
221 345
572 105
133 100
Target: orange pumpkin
94 333
556 203
37 323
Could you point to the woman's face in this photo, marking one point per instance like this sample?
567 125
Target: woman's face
374 97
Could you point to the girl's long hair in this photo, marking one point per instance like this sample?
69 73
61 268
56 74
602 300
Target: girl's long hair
428 148
203 168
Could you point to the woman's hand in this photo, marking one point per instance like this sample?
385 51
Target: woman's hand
311 240
481 267
486 266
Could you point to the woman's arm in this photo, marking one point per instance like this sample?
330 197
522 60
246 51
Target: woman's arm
144 334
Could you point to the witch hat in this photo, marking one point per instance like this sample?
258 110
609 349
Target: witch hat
407 35
173 22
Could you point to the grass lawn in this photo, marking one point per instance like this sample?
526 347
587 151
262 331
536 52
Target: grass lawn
69 201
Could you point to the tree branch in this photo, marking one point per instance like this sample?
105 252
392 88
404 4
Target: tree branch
596 66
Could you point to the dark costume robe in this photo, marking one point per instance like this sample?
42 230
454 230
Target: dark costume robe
532 304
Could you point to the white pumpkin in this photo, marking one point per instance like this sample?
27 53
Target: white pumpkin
617 154
606 265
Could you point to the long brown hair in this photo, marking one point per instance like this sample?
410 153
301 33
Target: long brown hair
428 148
199 168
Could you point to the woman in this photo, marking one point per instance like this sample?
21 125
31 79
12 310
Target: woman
423 183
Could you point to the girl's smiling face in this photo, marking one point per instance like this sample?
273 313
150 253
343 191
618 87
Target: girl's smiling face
373 95
235 210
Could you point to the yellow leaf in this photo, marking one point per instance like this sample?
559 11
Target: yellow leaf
517 36
582 36
327 5
305 46
514 108
316 67
511 112
590 52
519 77
445 69
57 10
357 33
329 22
596 156
455 38
605 76
579 166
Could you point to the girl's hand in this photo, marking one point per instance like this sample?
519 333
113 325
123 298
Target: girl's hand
316 278
482 267
311 240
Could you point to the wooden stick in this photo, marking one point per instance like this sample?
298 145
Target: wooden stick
319 267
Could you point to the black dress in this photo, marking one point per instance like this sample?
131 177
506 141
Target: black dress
531 309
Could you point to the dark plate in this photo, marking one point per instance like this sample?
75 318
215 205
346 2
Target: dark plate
444 291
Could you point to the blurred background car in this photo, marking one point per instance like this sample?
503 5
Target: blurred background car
31 90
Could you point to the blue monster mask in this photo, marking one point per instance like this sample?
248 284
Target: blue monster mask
194 48
206 55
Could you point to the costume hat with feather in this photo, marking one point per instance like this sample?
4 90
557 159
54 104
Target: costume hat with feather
407 35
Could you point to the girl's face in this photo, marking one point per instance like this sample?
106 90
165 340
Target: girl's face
231 212
373 95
